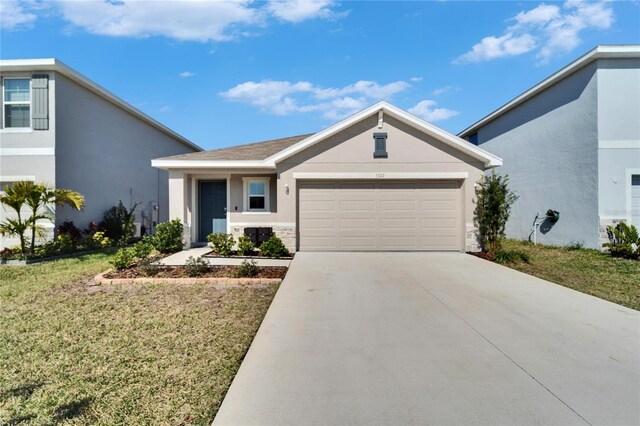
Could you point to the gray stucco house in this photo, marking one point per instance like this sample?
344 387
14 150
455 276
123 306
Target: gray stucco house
572 144
381 179
59 127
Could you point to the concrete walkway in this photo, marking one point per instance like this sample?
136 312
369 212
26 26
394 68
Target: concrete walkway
181 257
419 338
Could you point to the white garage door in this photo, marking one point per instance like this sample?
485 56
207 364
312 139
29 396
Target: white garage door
390 215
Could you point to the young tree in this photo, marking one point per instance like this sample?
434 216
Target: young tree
493 207
36 196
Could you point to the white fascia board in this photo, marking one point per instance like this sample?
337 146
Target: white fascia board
600 52
51 64
381 176
487 158
187 164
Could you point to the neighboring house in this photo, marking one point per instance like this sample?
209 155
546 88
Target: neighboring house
572 144
381 179
59 127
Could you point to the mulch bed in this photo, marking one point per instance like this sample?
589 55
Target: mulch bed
213 272
255 254
481 255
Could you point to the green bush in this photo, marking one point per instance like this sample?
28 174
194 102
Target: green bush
168 236
245 246
143 248
624 241
123 259
273 247
148 266
575 245
493 207
248 269
511 256
99 240
117 223
65 243
221 243
196 266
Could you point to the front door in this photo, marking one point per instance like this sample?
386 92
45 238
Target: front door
212 215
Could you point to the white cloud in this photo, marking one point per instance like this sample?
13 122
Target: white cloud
13 15
187 74
416 79
549 28
496 47
285 97
445 89
165 109
300 10
427 111
178 19
186 20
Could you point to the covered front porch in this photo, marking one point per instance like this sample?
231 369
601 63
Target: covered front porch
222 202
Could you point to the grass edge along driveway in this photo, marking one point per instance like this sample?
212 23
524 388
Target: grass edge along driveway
585 270
76 353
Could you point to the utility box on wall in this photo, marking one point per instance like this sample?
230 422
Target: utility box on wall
258 235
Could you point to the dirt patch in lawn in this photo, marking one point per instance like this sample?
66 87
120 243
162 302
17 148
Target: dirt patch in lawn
213 272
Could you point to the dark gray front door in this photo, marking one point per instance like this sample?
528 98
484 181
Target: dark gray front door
212 208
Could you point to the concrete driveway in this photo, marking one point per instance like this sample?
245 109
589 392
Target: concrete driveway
434 338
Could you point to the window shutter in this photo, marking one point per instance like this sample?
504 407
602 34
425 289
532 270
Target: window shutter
2 104
40 101
380 146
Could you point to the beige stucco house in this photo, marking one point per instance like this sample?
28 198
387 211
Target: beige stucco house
381 179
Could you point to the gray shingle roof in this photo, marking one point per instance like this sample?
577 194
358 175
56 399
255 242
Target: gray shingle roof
250 152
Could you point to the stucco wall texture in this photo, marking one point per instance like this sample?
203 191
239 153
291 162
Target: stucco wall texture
573 148
549 145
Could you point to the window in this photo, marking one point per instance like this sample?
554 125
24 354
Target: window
256 197
380 145
17 102
474 138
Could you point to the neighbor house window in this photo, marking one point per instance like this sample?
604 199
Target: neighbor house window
17 102
256 194
474 138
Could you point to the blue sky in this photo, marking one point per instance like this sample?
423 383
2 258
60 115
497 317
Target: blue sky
225 73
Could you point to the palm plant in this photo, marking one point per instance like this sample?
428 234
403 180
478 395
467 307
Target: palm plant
38 197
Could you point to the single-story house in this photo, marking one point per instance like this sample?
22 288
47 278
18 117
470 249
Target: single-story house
382 179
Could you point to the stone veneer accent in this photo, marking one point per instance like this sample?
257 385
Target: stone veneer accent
472 239
287 233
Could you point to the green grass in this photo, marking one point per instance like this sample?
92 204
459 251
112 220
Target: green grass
75 353
588 271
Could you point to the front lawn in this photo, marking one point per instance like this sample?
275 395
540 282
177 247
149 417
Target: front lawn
78 353
588 271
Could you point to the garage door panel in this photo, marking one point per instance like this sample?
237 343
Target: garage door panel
380 216
358 223
356 242
357 205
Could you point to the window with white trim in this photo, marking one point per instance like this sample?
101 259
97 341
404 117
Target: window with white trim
256 194
16 102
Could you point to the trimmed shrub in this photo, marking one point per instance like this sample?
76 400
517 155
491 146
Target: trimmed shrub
70 229
196 266
273 247
148 266
221 243
99 239
493 207
168 236
624 241
123 259
245 246
117 223
248 269
512 256
143 248
65 243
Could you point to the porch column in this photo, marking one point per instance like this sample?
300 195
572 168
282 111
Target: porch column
178 202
